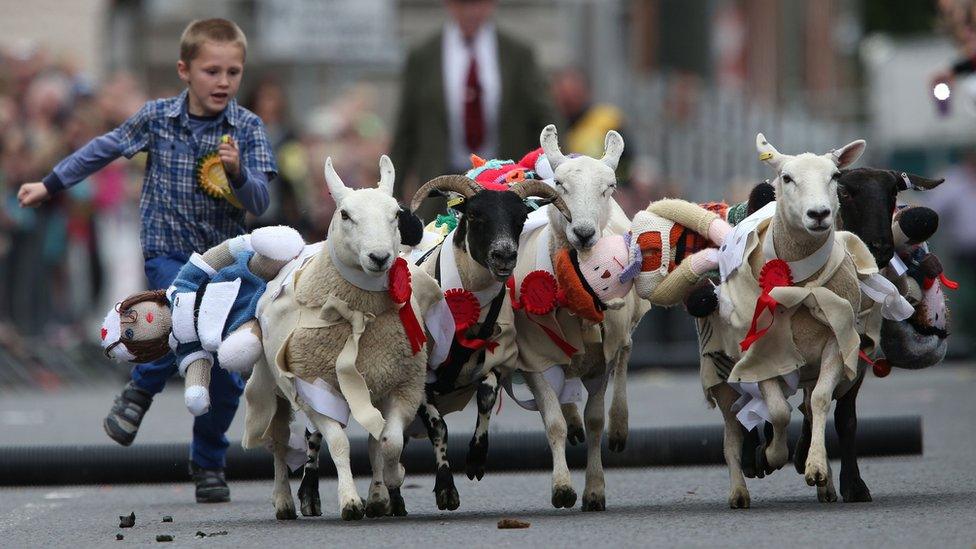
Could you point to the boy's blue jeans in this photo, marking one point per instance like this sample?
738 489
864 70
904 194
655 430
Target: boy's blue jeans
209 442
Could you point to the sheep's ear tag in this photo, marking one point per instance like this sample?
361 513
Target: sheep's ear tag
765 156
456 201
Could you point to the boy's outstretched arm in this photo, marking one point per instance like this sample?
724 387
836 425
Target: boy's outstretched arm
95 155
126 140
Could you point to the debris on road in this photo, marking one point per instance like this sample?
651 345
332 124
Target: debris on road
200 534
127 521
507 523
164 537
167 518
119 537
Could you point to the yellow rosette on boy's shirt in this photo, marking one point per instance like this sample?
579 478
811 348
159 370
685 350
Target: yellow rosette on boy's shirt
212 178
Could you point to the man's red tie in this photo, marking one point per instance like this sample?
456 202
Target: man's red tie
474 119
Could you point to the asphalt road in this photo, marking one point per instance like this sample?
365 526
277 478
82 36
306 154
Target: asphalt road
925 501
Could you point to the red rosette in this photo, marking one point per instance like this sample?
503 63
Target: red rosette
775 273
464 308
539 292
399 274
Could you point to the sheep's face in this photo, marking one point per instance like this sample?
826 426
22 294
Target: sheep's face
364 231
586 185
806 184
867 198
490 229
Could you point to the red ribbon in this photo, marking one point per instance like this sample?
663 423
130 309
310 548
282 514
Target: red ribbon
475 343
559 298
775 273
466 311
400 291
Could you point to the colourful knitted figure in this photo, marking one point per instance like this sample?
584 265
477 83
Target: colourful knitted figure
209 310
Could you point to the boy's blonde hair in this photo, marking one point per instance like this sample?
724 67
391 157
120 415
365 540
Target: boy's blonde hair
215 30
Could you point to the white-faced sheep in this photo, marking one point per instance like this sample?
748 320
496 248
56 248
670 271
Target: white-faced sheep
471 265
787 259
340 327
551 337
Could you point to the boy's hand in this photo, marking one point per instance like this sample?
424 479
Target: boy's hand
230 157
32 195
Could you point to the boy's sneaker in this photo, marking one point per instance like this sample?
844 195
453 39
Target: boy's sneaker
211 486
122 422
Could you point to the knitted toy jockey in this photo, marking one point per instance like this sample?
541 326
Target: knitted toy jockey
671 244
209 309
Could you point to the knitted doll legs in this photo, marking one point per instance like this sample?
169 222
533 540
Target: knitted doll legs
196 396
241 349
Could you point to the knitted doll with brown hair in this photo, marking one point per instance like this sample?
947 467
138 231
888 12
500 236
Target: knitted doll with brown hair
210 308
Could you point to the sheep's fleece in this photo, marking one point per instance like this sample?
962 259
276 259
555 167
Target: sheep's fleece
291 351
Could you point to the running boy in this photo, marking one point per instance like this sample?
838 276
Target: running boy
186 205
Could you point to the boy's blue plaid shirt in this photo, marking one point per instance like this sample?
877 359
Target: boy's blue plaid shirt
177 216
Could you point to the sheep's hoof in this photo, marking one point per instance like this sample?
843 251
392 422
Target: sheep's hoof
284 507
593 502
617 441
354 510
377 506
816 475
308 496
563 497
474 465
445 492
855 491
739 498
575 434
286 513
826 494
398 508
448 499
751 457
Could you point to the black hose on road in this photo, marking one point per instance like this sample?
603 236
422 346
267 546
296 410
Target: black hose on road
508 451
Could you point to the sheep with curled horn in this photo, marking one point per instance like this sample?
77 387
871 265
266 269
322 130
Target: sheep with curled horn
471 266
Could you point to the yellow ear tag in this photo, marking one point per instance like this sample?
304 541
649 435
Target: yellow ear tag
765 156
454 201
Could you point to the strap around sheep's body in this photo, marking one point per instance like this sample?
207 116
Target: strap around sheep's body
448 372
